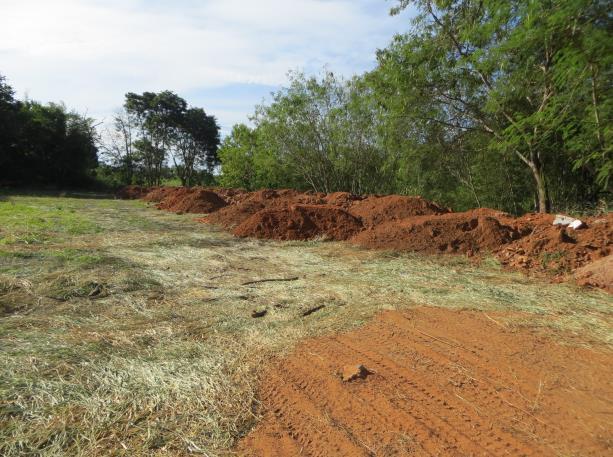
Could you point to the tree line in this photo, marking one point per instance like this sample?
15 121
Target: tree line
155 136
499 103
44 144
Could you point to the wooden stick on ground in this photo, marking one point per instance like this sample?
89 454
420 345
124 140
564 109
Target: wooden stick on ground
269 280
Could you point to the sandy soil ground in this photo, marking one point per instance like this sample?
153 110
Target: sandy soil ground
437 382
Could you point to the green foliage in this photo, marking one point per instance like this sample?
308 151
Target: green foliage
156 126
493 103
530 76
44 144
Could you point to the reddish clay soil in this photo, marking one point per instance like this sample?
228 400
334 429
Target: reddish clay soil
597 274
157 194
196 200
233 215
529 243
342 199
377 210
436 382
468 232
300 222
559 250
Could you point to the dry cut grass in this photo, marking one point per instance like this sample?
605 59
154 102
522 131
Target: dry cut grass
129 331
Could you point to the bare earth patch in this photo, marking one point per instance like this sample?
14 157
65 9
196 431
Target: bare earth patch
432 381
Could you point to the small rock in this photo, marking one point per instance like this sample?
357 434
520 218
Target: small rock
353 372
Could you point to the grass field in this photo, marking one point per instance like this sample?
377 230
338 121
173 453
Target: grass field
128 331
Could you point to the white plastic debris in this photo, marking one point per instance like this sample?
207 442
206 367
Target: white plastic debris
567 221
577 224
563 220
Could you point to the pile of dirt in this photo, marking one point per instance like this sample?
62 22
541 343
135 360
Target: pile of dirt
470 232
556 249
300 222
196 200
173 196
233 215
248 204
132 192
342 199
157 194
597 274
530 243
231 196
442 382
375 210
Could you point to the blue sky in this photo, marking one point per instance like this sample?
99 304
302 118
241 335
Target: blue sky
223 55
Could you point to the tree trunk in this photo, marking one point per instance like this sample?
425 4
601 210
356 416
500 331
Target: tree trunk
541 188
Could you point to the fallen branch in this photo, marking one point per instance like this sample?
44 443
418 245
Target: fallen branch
269 280
312 310
259 313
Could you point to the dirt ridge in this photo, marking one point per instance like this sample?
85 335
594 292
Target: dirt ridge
530 243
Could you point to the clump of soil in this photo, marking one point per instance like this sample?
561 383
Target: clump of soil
342 199
597 274
231 196
157 194
199 201
249 204
468 232
300 222
559 250
233 215
132 192
376 210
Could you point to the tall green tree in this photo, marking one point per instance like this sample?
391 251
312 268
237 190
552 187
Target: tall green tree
158 117
195 143
519 71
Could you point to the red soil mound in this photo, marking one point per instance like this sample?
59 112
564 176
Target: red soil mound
468 232
529 243
248 204
342 199
438 383
197 200
157 194
559 250
233 215
300 222
173 196
597 274
376 210
132 192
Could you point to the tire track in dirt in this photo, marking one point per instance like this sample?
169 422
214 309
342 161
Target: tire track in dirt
442 383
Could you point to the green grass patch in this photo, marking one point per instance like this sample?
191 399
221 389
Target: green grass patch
32 224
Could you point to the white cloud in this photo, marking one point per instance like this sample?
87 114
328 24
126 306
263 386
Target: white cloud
88 53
